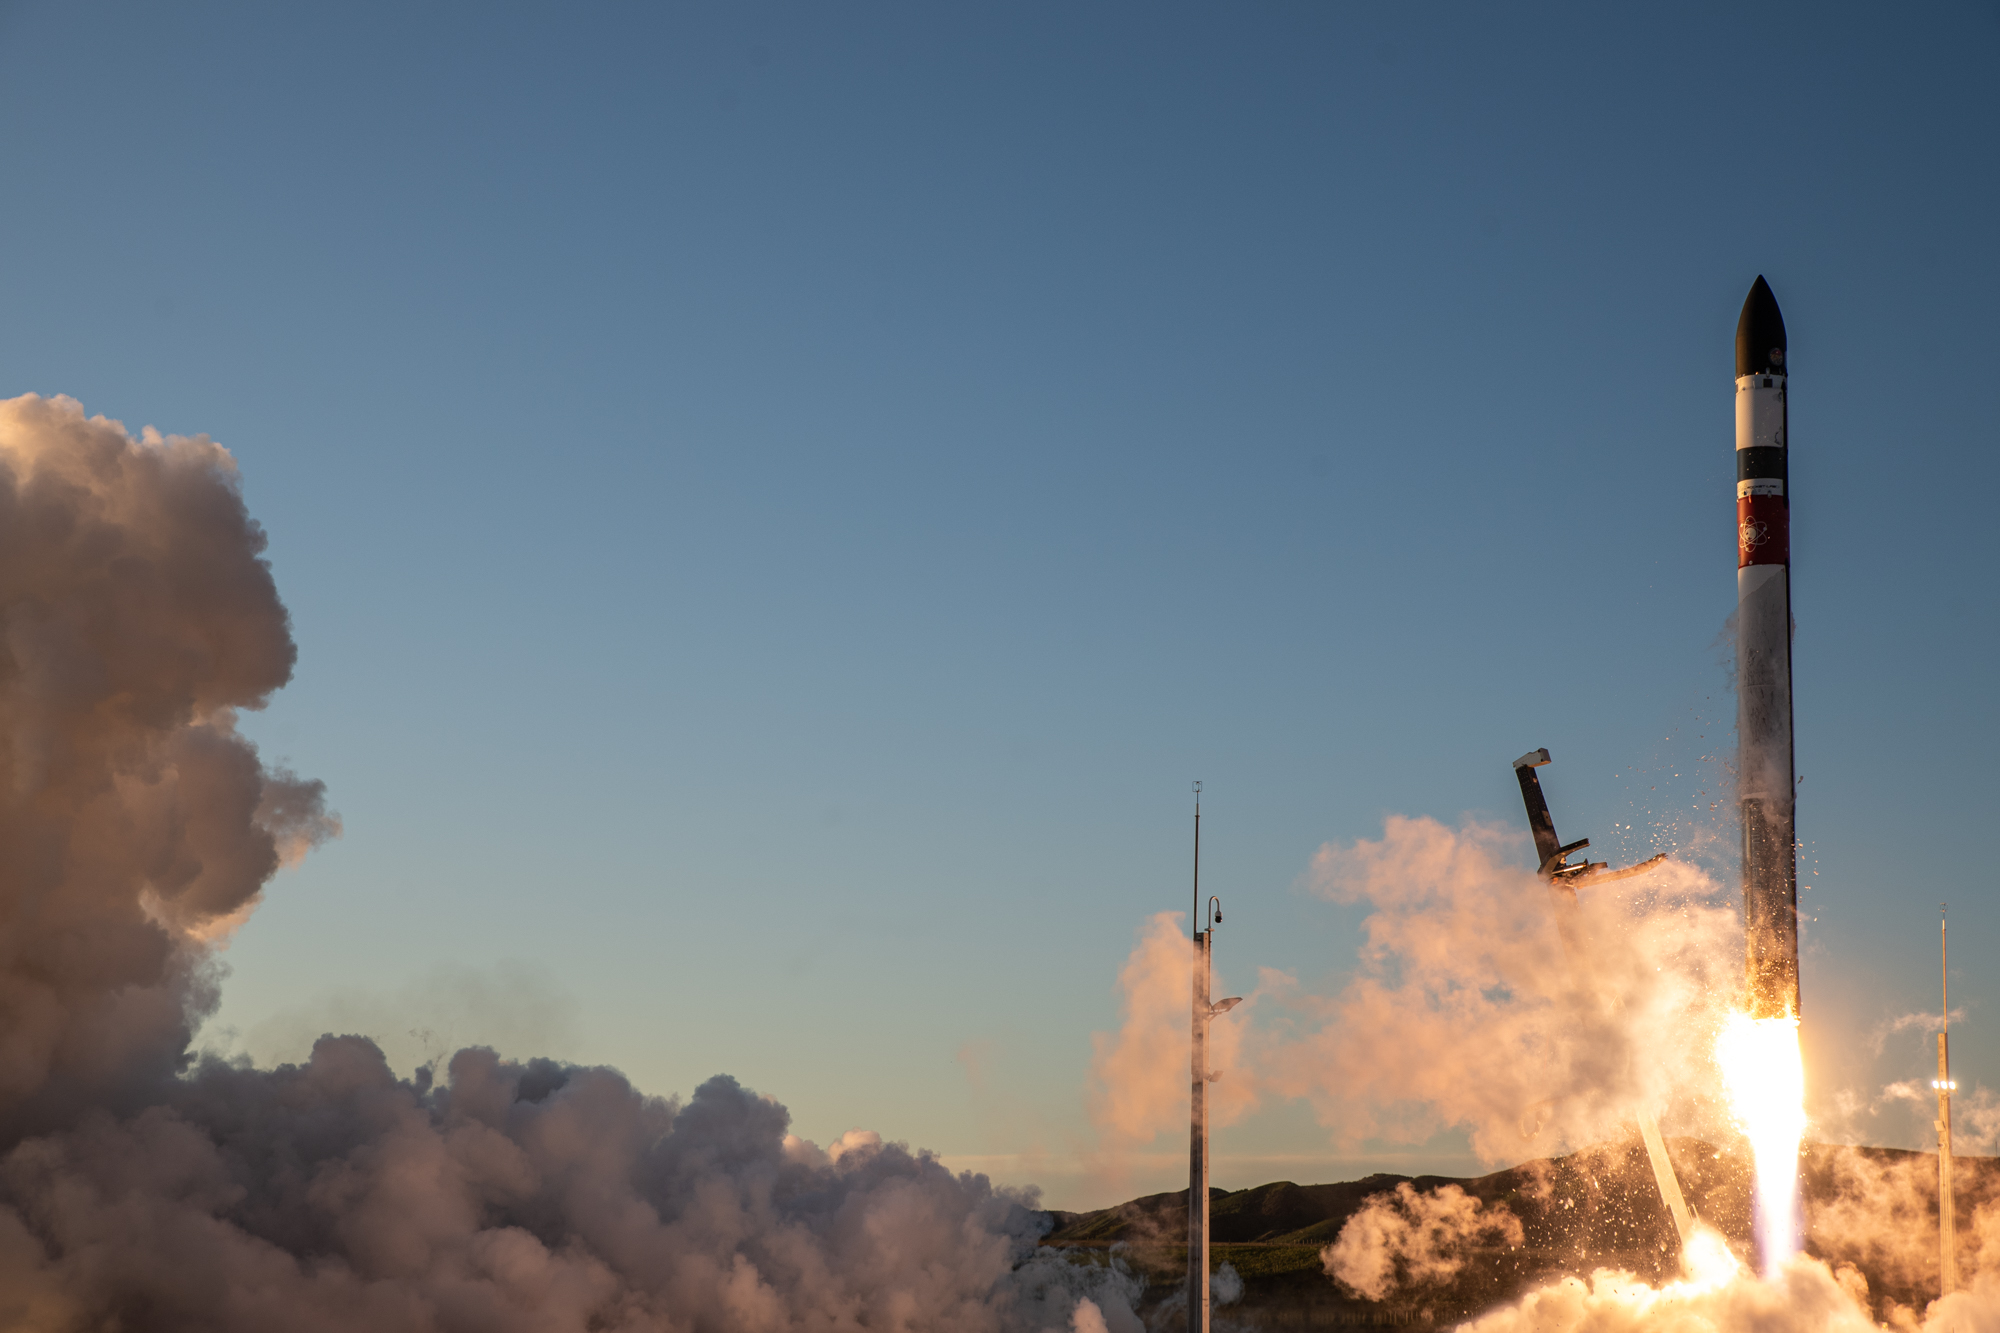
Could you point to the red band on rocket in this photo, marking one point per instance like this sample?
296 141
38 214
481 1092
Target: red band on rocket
1763 530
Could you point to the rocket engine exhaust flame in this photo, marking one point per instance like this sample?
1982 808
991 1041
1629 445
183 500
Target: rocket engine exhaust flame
1765 1076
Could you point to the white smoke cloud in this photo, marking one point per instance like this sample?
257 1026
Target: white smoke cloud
1807 1297
1919 1022
136 617
1467 1009
1871 1209
333 1195
1406 1239
1878 1212
1975 1120
144 1189
1140 1074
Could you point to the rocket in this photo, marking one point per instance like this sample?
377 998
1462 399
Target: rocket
1765 780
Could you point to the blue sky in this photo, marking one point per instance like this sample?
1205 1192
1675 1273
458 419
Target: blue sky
778 502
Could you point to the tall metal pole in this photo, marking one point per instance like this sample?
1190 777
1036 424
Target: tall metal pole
1947 1197
1199 1077
1198 1145
1197 1270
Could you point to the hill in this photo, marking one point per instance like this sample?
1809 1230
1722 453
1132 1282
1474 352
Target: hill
1866 1207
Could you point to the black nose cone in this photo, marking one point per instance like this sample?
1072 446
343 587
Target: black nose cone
1760 333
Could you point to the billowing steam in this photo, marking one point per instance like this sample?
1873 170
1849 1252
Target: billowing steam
135 619
1139 1075
1466 1012
1469 1012
1406 1239
143 1190
333 1196
1474 1006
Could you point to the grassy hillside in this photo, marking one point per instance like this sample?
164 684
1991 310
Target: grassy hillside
1591 1209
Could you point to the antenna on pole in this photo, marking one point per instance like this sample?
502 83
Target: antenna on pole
1194 917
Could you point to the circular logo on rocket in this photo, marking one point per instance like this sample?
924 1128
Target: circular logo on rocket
1752 534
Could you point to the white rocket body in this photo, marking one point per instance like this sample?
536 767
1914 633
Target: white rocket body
1766 781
